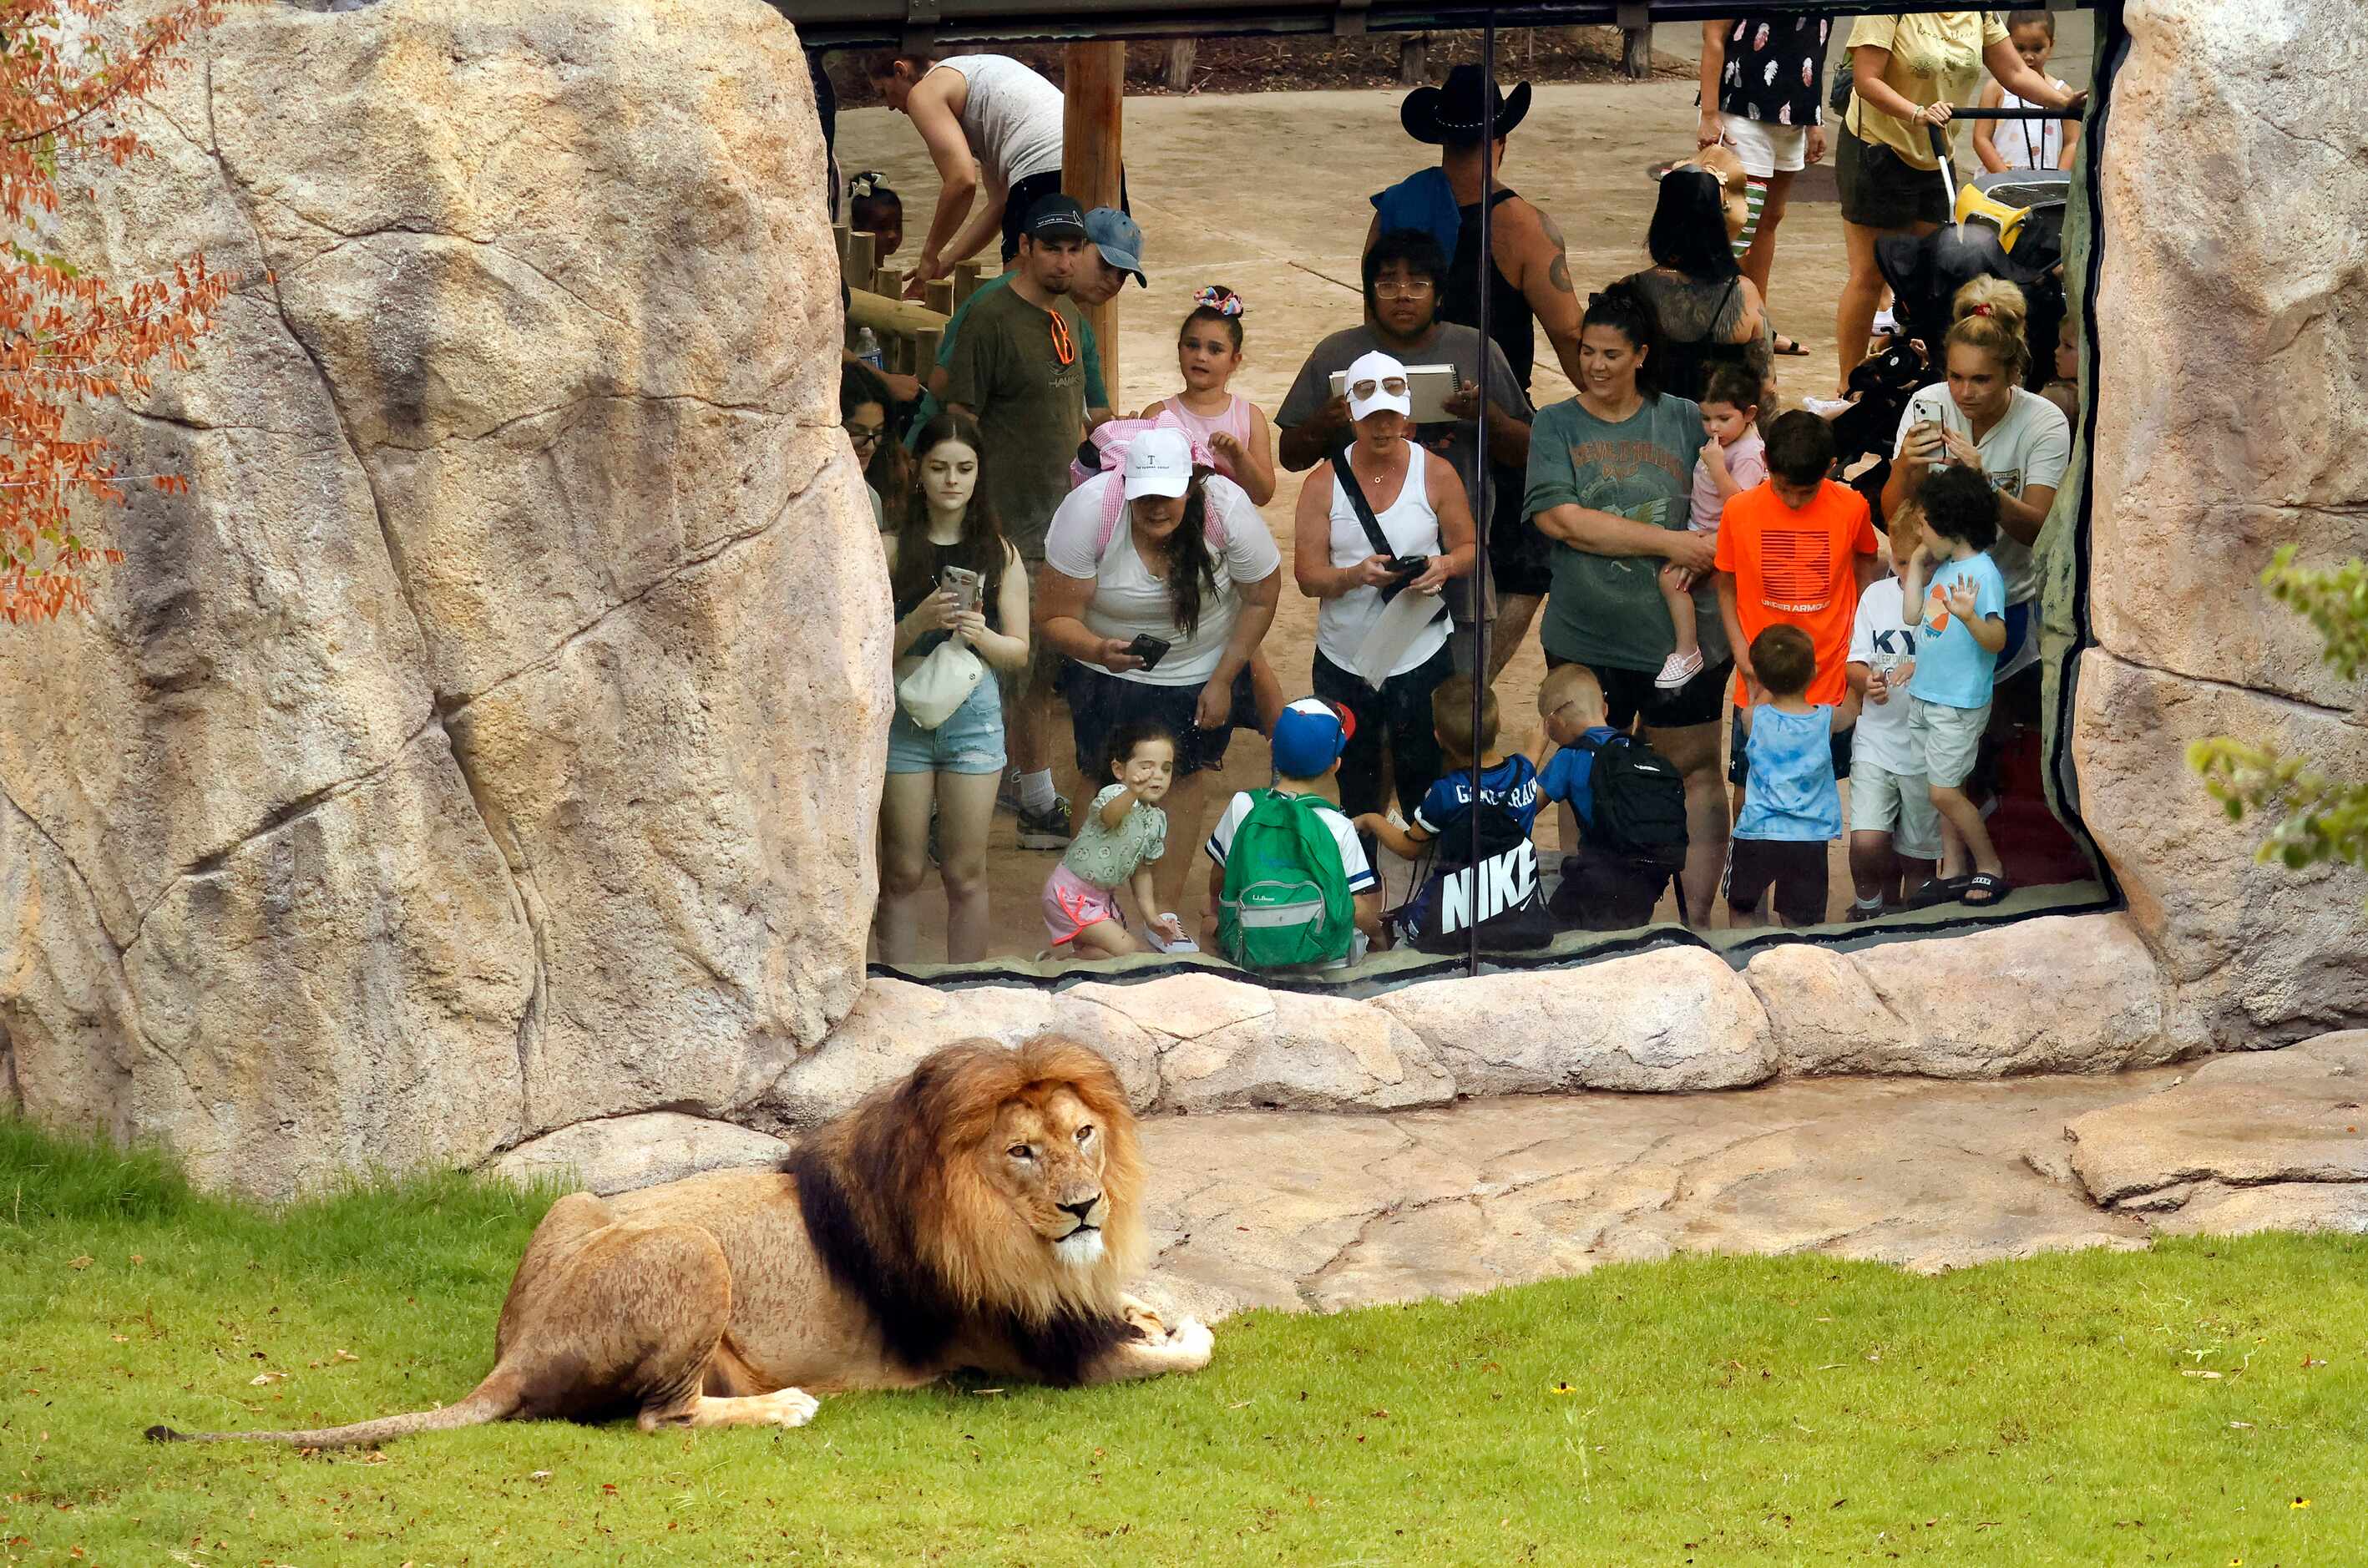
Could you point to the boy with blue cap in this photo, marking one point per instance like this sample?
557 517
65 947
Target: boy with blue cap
1309 735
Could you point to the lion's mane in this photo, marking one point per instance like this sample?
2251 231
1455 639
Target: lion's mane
897 1211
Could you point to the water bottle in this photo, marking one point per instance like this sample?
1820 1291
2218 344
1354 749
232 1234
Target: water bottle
867 348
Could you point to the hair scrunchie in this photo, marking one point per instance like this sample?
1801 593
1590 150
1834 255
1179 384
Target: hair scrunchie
1224 301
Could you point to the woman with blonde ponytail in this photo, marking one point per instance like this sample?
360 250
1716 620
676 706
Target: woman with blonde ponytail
1983 419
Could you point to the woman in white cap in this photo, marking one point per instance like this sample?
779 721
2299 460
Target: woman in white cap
1160 582
1384 518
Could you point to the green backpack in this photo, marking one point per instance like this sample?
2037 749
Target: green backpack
1286 894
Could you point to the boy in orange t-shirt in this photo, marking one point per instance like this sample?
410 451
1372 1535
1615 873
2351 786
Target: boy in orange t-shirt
1794 550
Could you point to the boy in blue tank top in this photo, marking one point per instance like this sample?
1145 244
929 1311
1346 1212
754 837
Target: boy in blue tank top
1792 806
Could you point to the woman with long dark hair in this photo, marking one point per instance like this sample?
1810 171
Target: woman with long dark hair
1160 582
1611 483
951 575
1708 312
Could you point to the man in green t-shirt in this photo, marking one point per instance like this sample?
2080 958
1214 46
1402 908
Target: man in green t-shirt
1115 255
1017 369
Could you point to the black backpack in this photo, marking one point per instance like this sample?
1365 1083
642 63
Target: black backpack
1504 893
1640 803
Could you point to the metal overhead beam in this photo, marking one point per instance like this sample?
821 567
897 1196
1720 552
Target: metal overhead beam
898 24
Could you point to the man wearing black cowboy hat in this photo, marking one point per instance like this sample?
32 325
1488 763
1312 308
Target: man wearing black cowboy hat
1529 287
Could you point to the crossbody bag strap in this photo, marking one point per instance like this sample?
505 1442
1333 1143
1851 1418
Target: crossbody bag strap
1365 511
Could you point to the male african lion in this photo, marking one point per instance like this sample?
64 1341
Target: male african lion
983 1212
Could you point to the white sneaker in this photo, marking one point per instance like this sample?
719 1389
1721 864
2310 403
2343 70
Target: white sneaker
1181 944
1887 323
1825 407
1678 669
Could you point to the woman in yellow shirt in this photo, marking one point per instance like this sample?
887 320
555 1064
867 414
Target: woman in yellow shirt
1908 75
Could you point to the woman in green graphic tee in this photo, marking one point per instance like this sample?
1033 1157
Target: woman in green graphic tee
1610 483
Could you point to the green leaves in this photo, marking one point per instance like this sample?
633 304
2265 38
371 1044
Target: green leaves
2321 819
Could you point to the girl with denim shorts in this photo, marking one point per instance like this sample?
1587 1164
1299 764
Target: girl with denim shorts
952 574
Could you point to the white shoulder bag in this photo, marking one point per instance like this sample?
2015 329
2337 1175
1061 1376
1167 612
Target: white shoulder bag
932 687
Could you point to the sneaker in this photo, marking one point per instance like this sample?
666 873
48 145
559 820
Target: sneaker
1863 912
1887 323
1181 944
1047 829
1678 669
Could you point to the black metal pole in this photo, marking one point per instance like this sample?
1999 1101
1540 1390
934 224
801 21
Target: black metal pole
1476 591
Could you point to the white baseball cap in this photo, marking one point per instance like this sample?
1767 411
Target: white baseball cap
1377 367
1158 463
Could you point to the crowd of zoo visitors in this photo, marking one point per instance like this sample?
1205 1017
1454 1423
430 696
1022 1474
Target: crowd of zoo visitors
1732 618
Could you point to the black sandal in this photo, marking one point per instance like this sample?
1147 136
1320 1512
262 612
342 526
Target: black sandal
1995 886
1936 892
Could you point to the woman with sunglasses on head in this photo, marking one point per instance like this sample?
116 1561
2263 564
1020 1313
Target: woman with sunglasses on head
1416 505
1611 483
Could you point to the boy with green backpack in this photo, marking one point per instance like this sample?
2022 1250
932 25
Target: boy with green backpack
1288 882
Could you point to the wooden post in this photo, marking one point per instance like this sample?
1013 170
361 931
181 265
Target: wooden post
967 279
888 282
1179 64
1635 52
938 296
1414 60
861 260
1094 93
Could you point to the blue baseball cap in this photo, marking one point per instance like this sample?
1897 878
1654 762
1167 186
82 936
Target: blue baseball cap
1308 737
1119 238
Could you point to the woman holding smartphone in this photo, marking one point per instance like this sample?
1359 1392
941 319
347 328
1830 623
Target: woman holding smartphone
1982 417
951 575
1420 512
1160 581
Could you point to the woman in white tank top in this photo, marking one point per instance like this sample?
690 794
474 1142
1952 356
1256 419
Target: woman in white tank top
1420 509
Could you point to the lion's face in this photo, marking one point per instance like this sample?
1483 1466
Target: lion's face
1045 1158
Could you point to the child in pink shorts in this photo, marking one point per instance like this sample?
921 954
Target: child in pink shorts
1118 841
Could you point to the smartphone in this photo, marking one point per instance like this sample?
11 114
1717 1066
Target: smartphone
1409 565
1149 649
963 585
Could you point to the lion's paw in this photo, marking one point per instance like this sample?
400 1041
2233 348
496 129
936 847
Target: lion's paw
791 1407
1143 1319
1190 1343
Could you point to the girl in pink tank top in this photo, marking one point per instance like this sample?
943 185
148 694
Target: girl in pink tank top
1209 350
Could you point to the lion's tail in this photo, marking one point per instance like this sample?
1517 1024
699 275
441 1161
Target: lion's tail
493 1400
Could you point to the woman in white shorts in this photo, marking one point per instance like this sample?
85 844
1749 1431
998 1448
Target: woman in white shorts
1763 97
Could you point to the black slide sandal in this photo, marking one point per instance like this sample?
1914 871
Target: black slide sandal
1995 888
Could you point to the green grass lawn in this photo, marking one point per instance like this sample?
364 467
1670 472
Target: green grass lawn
2201 1405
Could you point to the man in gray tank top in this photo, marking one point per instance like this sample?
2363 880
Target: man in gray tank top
993 127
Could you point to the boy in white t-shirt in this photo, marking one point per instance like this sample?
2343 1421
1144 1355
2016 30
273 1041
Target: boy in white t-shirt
1894 830
1308 738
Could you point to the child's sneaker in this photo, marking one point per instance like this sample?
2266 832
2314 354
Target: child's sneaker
1047 829
1678 669
1181 944
1887 323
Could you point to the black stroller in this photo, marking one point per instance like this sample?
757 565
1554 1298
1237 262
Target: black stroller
2007 225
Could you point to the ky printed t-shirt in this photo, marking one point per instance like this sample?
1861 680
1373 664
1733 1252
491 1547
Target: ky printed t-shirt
1881 639
1798 568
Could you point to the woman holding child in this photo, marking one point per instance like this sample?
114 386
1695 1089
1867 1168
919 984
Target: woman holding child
951 575
1382 521
1161 581
1610 482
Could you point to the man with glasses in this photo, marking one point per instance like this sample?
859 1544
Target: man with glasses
1016 369
1403 271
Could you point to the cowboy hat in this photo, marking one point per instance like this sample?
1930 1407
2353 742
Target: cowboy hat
1452 112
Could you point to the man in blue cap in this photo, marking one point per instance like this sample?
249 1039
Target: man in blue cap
1113 255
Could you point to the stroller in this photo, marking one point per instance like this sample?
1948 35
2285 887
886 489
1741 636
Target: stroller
2007 225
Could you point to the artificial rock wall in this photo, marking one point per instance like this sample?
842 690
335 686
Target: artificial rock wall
467 755
482 761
